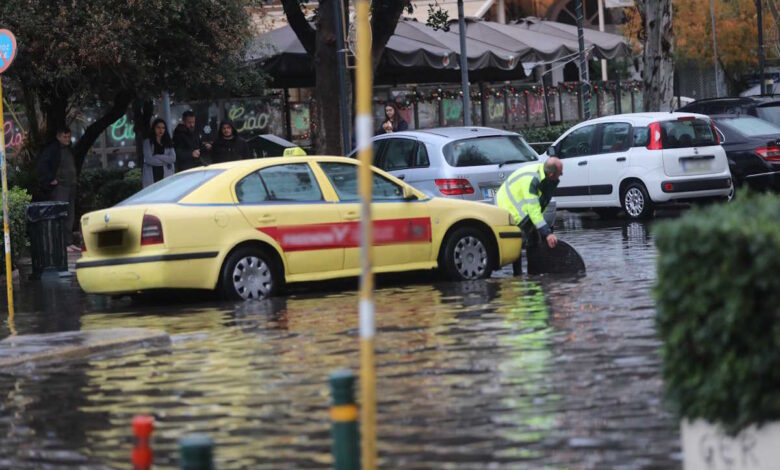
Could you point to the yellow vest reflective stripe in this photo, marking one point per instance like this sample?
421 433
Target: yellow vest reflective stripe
523 206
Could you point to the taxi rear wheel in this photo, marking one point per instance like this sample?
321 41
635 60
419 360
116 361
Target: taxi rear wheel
249 273
466 255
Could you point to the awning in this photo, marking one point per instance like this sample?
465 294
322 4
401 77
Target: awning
604 45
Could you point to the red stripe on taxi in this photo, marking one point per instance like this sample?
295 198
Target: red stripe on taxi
347 234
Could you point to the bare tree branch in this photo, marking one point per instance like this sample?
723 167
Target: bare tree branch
297 20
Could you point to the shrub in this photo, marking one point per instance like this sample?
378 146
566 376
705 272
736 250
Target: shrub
718 296
101 188
18 199
544 134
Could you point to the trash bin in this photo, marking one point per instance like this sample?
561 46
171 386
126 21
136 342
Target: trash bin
46 227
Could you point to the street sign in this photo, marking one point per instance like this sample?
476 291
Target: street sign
7 49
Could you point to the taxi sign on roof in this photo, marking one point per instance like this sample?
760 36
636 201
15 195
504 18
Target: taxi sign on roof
7 49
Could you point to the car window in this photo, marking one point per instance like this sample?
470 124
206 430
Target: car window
491 150
421 157
344 178
615 137
769 113
291 182
171 189
641 137
578 143
682 133
398 154
377 148
751 126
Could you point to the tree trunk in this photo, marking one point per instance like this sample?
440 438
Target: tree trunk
658 73
92 133
326 92
142 120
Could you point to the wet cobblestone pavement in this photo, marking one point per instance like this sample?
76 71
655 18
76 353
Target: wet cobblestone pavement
530 372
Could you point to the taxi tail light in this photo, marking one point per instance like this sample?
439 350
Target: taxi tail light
83 246
151 231
655 137
770 154
454 187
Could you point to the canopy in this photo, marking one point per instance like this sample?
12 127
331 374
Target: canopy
604 45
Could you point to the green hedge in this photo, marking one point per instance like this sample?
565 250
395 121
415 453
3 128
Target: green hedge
18 199
544 134
100 188
718 296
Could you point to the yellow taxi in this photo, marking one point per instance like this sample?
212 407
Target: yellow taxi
246 228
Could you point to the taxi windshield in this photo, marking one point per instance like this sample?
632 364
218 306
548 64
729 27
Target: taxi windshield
171 189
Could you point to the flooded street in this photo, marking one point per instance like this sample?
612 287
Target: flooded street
530 372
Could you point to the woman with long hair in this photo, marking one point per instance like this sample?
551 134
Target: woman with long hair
159 155
393 121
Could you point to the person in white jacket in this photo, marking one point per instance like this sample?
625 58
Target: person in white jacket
159 154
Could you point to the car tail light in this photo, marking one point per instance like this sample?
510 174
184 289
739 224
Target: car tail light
686 118
151 231
770 154
454 187
715 133
655 137
83 246
668 187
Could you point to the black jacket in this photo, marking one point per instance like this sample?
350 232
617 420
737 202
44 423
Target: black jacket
48 164
185 142
228 150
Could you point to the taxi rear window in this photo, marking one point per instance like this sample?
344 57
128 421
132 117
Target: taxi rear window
171 189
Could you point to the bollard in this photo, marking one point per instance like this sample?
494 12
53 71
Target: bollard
143 426
344 426
196 453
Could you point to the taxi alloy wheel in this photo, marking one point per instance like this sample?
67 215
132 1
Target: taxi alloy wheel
249 274
466 255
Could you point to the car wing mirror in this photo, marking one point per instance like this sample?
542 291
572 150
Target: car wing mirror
551 151
408 194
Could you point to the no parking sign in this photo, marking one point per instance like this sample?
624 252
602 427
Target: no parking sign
7 49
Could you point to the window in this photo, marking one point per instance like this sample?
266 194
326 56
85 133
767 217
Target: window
293 182
171 189
615 137
641 137
378 144
687 133
578 143
492 150
398 154
770 112
421 157
344 178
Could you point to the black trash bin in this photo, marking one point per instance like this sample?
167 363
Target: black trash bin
46 226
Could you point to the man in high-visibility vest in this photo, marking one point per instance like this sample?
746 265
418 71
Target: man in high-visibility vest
525 194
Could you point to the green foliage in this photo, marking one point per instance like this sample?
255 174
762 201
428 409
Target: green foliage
544 134
18 199
100 188
718 296
438 18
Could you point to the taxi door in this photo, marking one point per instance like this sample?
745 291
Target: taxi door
402 229
286 202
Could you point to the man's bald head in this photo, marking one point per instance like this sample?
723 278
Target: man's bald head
553 168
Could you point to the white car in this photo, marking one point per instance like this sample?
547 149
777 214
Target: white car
637 161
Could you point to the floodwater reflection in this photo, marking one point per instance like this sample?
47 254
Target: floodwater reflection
534 372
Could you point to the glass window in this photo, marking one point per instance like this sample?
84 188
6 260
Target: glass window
769 113
171 189
614 137
488 151
375 154
421 157
398 154
344 178
751 126
578 143
641 137
687 133
293 182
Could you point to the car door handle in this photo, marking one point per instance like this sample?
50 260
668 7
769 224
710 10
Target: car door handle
266 219
621 159
401 177
582 163
352 215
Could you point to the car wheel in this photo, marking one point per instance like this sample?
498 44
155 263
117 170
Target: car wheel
250 273
606 212
466 255
636 202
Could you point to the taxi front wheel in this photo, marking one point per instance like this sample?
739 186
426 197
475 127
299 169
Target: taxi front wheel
466 255
249 273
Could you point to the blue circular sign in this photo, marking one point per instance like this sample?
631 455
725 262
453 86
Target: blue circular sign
7 49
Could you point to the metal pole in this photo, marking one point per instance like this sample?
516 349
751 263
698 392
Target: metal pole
364 124
6 234
464 66
714 49
583 65
760 47
341 53
343 417
601 28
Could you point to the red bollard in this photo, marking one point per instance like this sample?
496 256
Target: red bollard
143 426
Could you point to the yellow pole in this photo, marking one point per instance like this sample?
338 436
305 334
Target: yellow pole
6 235
364 131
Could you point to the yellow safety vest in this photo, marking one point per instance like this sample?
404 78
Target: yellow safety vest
520 195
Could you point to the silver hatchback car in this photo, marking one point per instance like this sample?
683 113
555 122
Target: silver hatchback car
457 162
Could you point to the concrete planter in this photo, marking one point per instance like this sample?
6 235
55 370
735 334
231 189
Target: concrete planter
708 447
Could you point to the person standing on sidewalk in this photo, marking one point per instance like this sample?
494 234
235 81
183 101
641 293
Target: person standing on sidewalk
187 143
229 146
58 178
159 156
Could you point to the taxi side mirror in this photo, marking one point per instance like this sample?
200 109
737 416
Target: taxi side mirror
408 194
551 151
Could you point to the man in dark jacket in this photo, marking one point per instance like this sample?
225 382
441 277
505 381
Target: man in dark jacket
229 146
187 143
58 177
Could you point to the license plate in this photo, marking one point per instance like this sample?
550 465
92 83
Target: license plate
690 166
110 238
490 193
